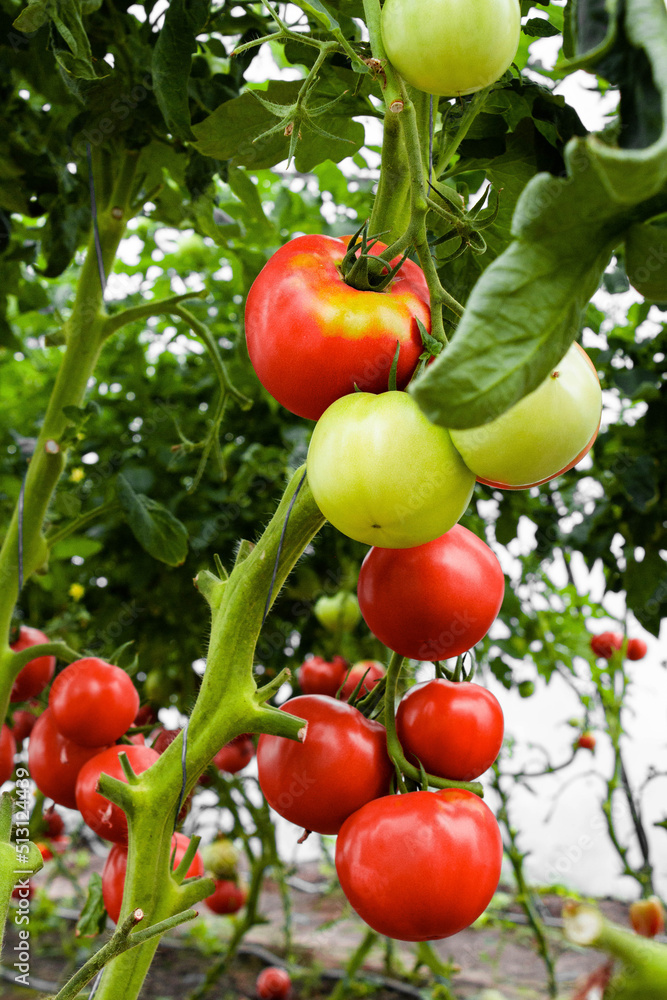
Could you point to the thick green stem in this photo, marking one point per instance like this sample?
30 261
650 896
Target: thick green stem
83 337
391 209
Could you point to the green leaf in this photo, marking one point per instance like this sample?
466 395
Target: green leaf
76 545
161 534
93 918
172 62
34 16
539 27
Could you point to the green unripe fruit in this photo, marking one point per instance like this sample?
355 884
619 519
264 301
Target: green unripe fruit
526 688
220 858
339 613
646 260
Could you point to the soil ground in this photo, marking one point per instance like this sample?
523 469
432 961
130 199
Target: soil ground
498 955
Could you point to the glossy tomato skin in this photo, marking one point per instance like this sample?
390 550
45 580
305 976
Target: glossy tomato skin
311 337
341 764
54 761
93 702
450 48
273 984
586 741
228 897
454 728
383 474
371 670
113 875
7 751
235 755
647 917
319 676
636 649
105 818
36 674
422 865
433 601
23 723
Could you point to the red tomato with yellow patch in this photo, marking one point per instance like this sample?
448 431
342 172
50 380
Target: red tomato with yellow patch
311 337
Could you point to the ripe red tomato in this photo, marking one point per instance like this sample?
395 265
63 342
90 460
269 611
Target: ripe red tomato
454 729
311 337
54 823
113 875
93 702
586 741
36 674
433 601
373 671
22 891
606 643
341 764
319 676
228 897
235 755
273 984
636 649
422 865
647 917
102 816
23 721
7 751
54 761
164 739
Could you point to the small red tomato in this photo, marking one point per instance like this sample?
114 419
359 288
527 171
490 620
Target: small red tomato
7 751
146 715
422 865
36 674
606 643
432 601
586 741
454 728
44 850
341 764
93 702
235 755
164 739
24 890
273 984
370 670
319 676
636 649
113 876
102 816
53 822
54 761
228 897
23 721
647 917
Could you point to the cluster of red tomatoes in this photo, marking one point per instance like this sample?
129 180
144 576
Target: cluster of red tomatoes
91 705
429 588
403 861
606 644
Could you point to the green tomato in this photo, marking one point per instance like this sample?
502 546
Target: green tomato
541 436
526 688
339 613
383 474
451 47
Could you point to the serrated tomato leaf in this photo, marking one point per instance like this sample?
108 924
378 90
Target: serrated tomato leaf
156 529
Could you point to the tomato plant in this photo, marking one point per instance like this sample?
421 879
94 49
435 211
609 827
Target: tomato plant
273 984
383 474
36 674
341 764
106 819
543 435
93 702
422 865
454 728
115 867
312 337
319 676
444 47
432 601
228 897
54 761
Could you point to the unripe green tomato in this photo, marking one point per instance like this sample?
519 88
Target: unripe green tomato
383 474
526 688
339 613
646 260
451 47
541 436
156 687
220 858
